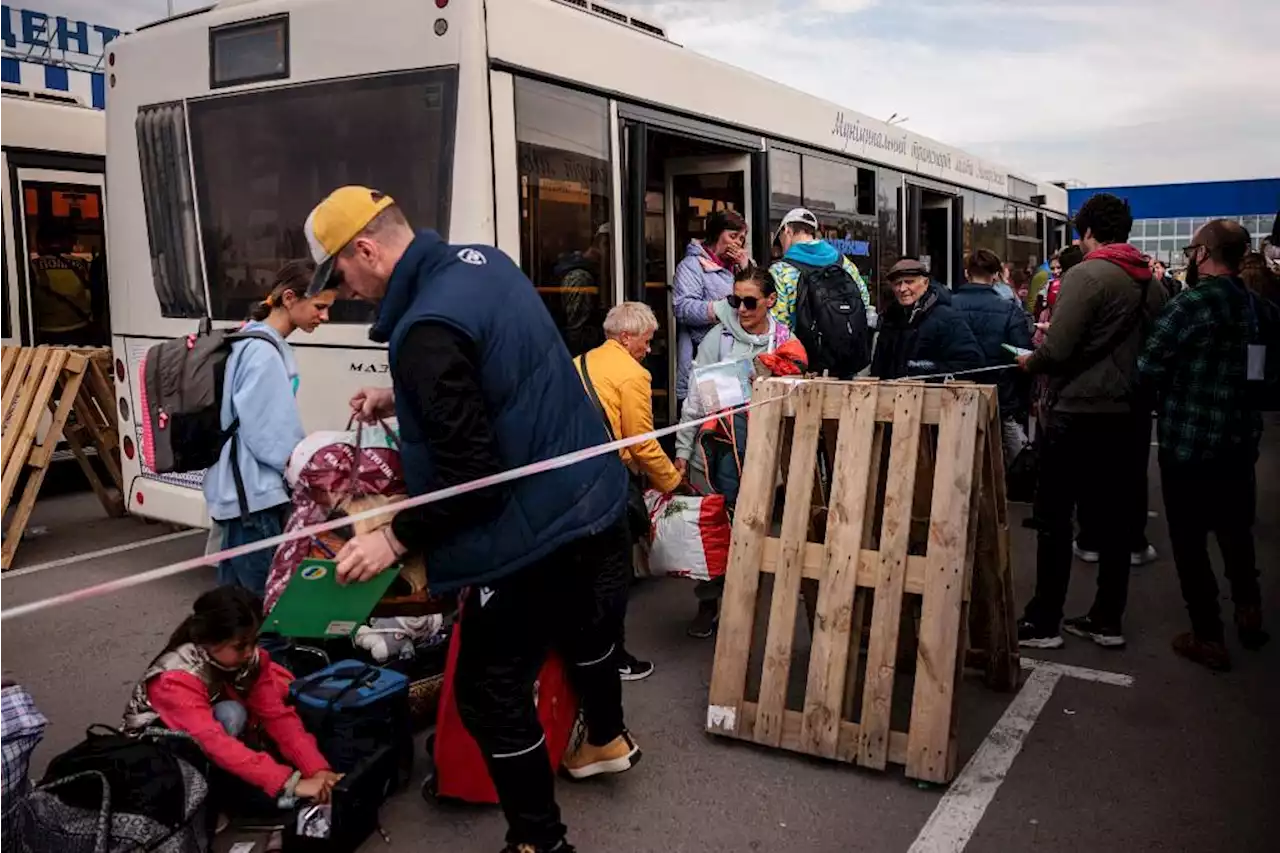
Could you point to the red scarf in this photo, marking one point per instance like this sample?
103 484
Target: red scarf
1124 256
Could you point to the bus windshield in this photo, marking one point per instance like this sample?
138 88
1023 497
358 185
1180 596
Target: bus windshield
262 159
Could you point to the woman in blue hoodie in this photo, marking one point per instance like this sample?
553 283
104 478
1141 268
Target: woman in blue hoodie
259 376
704 277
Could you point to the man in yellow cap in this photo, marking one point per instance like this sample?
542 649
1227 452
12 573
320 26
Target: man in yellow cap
483 383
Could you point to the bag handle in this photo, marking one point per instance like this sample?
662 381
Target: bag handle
358 450
355 682
595 397
102 835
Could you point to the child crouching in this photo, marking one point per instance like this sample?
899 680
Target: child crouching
212 682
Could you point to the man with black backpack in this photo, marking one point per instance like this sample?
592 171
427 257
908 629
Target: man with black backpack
822 298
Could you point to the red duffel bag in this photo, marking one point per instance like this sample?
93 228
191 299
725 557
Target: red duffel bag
460 772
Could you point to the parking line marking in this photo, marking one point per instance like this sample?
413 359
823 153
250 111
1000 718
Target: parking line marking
1115 679
961 808
104 552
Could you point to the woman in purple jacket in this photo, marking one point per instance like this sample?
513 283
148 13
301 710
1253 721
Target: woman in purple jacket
704 277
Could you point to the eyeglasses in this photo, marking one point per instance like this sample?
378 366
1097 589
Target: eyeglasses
1188 251
736 302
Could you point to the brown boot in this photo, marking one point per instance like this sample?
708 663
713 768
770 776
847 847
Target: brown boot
1249 626
1211 654
617 756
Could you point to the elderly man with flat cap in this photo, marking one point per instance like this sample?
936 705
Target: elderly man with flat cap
920 333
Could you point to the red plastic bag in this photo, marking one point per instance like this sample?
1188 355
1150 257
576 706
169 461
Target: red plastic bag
460 770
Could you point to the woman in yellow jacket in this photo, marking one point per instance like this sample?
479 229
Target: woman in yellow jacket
622 390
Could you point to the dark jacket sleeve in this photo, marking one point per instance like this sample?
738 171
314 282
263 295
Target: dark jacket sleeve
1073 316
953 346
1017 331
437 372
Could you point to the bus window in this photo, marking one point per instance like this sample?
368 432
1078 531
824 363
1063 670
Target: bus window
66 246
562 142
264 158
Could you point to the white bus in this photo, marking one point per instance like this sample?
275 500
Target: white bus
579 140
53 159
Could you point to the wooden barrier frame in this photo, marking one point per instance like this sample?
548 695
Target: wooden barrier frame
967 509
73 388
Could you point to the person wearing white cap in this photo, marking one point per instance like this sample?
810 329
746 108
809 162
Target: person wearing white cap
797 234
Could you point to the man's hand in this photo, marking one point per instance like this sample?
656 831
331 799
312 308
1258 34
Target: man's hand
1022 361
373 404
365 556
682 465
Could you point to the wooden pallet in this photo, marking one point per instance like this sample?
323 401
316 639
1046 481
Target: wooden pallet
51 394
875 561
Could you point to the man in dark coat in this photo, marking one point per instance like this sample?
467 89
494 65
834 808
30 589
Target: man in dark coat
1096 439
483 383
995 322
921 333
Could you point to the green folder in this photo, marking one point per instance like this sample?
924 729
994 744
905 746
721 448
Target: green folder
315 605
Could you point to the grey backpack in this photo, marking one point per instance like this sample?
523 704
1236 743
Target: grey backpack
182 383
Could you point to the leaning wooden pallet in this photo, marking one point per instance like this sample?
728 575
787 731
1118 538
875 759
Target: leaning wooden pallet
860 566
46 399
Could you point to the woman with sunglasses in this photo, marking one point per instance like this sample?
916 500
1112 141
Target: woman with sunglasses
745 328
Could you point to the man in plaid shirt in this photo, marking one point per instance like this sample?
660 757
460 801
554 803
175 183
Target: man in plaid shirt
1195 366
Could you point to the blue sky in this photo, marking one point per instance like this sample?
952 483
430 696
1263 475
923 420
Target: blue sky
1103 91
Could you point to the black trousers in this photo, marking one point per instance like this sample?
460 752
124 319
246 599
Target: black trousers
1094 464
1218 496
572 601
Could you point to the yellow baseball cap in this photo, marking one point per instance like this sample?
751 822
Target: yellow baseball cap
335 222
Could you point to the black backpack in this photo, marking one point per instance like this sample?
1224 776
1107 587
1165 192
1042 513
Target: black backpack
121 792
831 320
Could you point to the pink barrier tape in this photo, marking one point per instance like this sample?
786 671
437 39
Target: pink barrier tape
552 464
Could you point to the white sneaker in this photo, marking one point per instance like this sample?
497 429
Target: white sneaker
1081 554
1141 558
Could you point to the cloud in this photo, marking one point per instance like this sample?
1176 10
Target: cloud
1103 91
1099 90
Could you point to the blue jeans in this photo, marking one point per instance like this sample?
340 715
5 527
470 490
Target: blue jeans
250 571
232 715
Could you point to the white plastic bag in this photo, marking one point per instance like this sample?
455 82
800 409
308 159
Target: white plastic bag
689 535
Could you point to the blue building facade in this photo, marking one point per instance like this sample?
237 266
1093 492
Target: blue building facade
1166 215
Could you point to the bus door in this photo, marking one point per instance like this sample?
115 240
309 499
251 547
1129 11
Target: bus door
934 232
62 257
695 187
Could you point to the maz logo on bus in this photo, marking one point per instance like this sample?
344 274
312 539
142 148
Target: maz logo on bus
368 367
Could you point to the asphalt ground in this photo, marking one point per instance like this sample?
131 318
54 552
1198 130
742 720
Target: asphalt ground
1182 760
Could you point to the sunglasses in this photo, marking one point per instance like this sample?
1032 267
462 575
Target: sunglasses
1188 251
736 302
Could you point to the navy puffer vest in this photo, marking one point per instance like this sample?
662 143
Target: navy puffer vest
533 395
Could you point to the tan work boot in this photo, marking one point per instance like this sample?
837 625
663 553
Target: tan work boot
617 756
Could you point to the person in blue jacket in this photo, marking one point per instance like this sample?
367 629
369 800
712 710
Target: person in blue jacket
997 321
261 379
483 383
